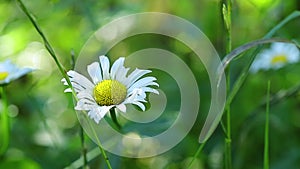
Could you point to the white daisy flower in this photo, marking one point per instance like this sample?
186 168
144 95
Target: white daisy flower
10 72
276 57
110 87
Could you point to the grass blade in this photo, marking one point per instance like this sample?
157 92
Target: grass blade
266 145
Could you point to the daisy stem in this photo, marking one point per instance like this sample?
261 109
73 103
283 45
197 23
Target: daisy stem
266 146
4 122
100 146
114 118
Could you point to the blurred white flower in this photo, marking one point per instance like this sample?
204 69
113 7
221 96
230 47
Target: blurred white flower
10 72
276 57
110 87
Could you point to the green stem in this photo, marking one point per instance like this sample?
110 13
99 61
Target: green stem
201 146
227 19
4 122
83 148
46 43
266 146
100 146
81 132
241 79
91 155
60 67
282 95
228 160
114 118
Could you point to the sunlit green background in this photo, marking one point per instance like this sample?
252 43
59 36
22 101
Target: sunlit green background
44 126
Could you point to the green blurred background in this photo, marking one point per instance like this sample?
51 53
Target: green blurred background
44 126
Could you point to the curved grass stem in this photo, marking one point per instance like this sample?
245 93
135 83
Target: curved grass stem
241 79
46 43
59 65
201 146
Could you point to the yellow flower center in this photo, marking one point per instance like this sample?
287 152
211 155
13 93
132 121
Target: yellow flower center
3 75
279 59
110 92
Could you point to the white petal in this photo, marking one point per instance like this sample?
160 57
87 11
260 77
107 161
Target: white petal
64 81
147 81
122 107
138 93
93 114
85 104
95 72
141 105
134 76
292 53
17 73
101 111
104 66
135 96
277 47
79 80
68 90
85 94
77 87
7 66
98 112
254 67
121 75
118 64
13 71
135 99
149 89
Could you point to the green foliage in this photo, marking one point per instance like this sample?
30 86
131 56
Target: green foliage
45 132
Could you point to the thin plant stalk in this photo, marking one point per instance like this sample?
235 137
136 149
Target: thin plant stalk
61 69
91 155
201 146
241 79
83 148
114 118
46 43
81 131
266 145
98 141
226 10
272 100
101 149
4 122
